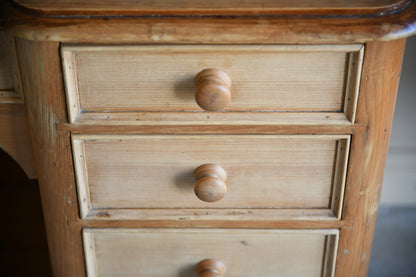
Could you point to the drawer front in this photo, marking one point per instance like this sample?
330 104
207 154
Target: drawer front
245 253
162 78
263 171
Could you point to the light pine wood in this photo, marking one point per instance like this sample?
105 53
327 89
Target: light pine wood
15 137
209 123
133 172
213 7
203 217
212 89
210 182
40 68
176 252
329 263
101 54
340 175
161 78
332 129
379 82
353 83
265 219
316 120
210 268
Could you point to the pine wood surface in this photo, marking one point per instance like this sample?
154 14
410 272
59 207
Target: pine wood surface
216 30
162 78
208 123
41 68
210 183
212 89
297 129
295 219
379 83
42 83
246 253
214 217
213 7
133 172
210 267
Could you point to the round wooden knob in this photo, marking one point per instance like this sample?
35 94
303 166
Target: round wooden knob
210 268
212 89
210 182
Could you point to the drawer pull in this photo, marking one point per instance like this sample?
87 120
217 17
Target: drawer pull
212 89
210 268
210 182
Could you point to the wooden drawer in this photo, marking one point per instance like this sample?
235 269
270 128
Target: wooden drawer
118 176
245 253
103 79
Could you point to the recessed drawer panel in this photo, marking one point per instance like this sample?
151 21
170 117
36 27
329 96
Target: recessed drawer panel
261 172
175 253
162 78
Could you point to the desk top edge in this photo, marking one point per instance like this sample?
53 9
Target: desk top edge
209 26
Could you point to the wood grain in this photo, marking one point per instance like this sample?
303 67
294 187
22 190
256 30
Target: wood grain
212 91
161 78
15 137
43 86
353 83
205 217
379 82
330 129
213 30
314 219
316 120
210 183
133 172
44 93
173 252
340 174
208 123
210 268
213 7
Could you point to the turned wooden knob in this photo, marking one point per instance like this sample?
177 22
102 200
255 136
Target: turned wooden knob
210 182
210 268
212 89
